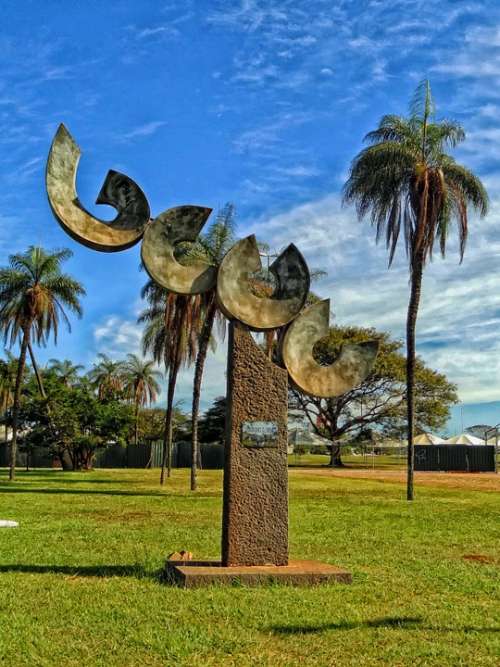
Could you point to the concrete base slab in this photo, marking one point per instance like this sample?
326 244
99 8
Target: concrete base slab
8 524
195 574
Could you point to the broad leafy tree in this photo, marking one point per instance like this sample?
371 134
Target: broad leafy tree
405 181
8 372
379 402
34 296
213 422
79 424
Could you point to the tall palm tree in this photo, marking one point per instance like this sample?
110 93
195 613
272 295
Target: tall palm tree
140 385
211 249
107 377
405 178
171 336
33 296
65 370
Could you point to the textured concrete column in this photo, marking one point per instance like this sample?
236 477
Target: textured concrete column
255 510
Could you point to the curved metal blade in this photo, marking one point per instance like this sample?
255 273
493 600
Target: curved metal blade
174 225
347 371
238 297
118 191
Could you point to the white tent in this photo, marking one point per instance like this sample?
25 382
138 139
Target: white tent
428 439
299 436
464 439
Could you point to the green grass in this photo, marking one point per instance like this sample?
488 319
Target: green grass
79 586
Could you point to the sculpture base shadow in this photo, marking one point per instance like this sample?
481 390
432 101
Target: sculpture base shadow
197 574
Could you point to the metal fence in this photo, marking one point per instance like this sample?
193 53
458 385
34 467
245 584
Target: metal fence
455 458
148 455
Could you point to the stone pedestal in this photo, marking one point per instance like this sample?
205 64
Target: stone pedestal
192 574
255 509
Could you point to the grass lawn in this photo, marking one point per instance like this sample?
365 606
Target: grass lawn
79 586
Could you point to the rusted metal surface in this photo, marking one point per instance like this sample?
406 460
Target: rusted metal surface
238 298
118 191
173 226
347 371
255 506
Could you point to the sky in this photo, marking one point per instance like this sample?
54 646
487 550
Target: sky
262 103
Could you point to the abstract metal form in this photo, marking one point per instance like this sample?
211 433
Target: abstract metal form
118 191
255 504
171 227
347 371
241 295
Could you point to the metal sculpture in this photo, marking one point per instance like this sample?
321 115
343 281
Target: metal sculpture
242 296
255 504
352 366
118 191
171 227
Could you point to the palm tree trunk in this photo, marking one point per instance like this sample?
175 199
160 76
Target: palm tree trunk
38 376
198 376
411 321
136 430
41 388
17 396
167 436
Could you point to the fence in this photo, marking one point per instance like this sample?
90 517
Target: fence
456 458
39 458
132 456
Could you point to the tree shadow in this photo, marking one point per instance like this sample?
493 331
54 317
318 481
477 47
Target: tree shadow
398 622
59 477
12 488
104 571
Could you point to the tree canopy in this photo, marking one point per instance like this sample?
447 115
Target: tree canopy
380 401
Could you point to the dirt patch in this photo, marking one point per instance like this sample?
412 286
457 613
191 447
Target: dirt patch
471 481
479 558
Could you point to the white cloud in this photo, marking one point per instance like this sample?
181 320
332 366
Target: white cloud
162 30
459 314
300 171
145 130
117 336
268 135
458 318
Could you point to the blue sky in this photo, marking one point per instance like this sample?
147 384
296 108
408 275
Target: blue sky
262 103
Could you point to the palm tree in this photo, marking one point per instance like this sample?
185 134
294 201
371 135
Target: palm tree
405 178
171 336
65 370
210 248
107 377
140 385
33 296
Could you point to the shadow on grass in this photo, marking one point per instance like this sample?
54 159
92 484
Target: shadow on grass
398 622
59 477
104 571
12 488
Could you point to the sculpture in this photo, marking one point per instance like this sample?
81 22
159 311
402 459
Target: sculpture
255 505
